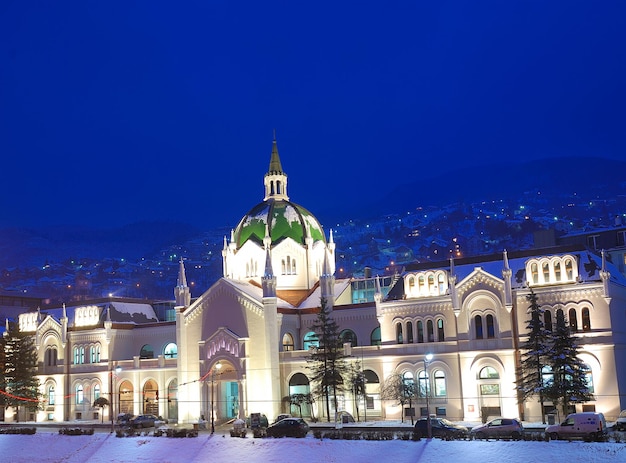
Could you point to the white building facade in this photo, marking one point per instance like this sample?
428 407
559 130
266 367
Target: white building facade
242 346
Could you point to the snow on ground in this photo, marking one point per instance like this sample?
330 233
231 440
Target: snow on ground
48 447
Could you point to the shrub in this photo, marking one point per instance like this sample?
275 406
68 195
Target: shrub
10 430
76 431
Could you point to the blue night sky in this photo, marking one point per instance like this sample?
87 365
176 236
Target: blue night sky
112 112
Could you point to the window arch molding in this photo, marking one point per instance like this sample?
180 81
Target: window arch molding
551 270
425 284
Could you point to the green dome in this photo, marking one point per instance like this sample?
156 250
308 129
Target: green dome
284 220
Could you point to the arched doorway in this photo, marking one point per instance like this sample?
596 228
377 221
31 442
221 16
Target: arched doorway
300 395
126 398
151 397
222 393
172 400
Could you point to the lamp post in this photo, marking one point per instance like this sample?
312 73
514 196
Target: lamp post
111 410
429 426
217 367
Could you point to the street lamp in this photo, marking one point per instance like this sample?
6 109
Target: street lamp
429 426
217 367
117 371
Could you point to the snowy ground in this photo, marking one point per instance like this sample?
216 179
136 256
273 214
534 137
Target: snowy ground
47 447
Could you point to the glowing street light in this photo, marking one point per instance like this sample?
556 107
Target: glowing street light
429 426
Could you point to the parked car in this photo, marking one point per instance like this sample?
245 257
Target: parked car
257 420
282 416
620 423
508 428
584 425
440 428
143 421
288 427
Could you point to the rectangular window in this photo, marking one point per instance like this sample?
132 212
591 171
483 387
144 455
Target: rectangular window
369 400
441 411
489 389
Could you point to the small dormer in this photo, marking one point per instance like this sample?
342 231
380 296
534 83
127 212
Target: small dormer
28 322
552 270
425 284
87 315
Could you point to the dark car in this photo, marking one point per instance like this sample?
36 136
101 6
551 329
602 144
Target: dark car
289 427
123 419
507 428
143 421
440 428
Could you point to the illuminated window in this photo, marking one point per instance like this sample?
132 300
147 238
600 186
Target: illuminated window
50 395
170 351
432 289
440 383
288 266
310 341
96 392
547 376
488 373
569 269
588 377
79 394
442 284
348 336
546 272
557 271
81 351
534 272
288 343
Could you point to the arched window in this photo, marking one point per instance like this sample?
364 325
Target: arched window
79 396
547 320
586 319
491 331
573 320
310 340
421 285
348 336
547 376
432 289
546 272
423 388
569 270
51 356
92 354
440 333
430 331
442 284
288 344
96 391
51 395
588 377
409 332
478 326
560 314
170 351
81 351
147 352
534 272
488 373
411 284
375 339
408 384
76 356
440 383
420 331
399 333
557 271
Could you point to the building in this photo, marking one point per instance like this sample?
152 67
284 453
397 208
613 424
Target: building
242 346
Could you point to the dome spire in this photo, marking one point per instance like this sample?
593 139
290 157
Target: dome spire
275 179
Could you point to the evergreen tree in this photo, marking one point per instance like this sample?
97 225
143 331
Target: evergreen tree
327 363
20 370
570 382
535 354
